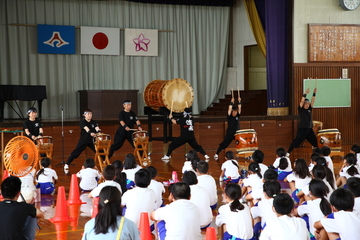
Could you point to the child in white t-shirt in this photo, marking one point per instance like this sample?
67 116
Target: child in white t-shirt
234 216
130 168
89 175
230 168
298 178
284 227
109 176
208 182
252 186
343 223
156 186
282 163
353 184
326 154
191 159
28 189
258 156
349 169
46 177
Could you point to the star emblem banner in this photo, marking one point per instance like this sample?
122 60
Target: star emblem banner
141 42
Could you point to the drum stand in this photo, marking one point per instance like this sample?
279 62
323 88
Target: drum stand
102 150
140 151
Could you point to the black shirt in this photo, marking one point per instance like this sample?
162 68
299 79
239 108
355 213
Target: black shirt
13 217
33 126
91 125
233 123
186 126
129 118
305 117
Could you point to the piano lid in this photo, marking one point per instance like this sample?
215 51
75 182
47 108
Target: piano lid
22 92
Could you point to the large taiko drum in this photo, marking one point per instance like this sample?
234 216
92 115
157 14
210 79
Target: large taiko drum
175 93
246 140
330 138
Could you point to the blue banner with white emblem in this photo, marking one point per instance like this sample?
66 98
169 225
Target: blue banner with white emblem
56 39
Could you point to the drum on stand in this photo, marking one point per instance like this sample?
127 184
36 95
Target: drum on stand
246 141
45 145
173 94
102 143
330 138
141 141
317 125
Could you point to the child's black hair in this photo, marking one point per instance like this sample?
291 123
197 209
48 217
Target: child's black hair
233 191
191 155
230 156
109 172
319 172
180 190
194 163
190 178
271 188
271 175
142 178
89 163
314 156
203 167
355 148
152 171
10 187
283 163
319 189
342 199
281 152
45 162
325 151
255 168
129 161
351 162
301 169
120 176
258 156
283 204
317 151
329 175
353 184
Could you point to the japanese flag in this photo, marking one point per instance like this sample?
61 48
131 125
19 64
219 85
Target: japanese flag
100 41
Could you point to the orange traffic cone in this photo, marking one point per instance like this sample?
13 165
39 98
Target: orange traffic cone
210 233
61 212
144 227
74 212
61 230
95 208
74 193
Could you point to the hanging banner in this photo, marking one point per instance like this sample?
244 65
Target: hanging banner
141 42
100 41
56 39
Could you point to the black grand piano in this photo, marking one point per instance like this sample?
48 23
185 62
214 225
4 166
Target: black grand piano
21 93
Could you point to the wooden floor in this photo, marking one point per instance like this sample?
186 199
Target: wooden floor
73 230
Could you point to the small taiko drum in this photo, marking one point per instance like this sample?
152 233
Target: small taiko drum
101 137
140 135
246 140
330 138
175 94
44 141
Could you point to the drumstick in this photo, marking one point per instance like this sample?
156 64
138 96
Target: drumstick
172 104
187 105
238 92
316 83
232 92
133 129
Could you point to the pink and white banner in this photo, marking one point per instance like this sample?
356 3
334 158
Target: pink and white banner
141 42
100 41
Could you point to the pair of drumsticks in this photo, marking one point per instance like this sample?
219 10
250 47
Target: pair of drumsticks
312 81
232 92
172 104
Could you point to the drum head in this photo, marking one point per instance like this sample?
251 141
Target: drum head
177 92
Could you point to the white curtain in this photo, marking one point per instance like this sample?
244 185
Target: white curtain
196 50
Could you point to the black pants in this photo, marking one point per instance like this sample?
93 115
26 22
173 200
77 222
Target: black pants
179 141
229 137
80 147
301 135
120 136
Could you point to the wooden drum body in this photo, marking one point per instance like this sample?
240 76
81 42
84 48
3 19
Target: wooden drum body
330 138
246 140
141 141
100 137
173 94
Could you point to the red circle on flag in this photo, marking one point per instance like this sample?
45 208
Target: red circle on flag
100 40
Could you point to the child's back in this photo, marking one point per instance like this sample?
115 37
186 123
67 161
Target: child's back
89 176
207 181
46 177
156 186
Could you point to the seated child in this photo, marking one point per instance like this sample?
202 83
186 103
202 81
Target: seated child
326 152
349 169
329 174
313 158
208 182
343 223
140 198
188 164
317 207
282 163
130 168
89 175
181 218
270 175
298 178
284 226
234 217
200 198
156 186
252 186
28 189
258 156
353 185
120 176
46 177
230 168
109 176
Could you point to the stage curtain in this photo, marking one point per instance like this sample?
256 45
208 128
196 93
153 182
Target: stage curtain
195 48
256 25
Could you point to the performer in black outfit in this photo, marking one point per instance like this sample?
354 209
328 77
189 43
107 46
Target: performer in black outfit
233 116
32 126
127 119
89 128
186 135
305 130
